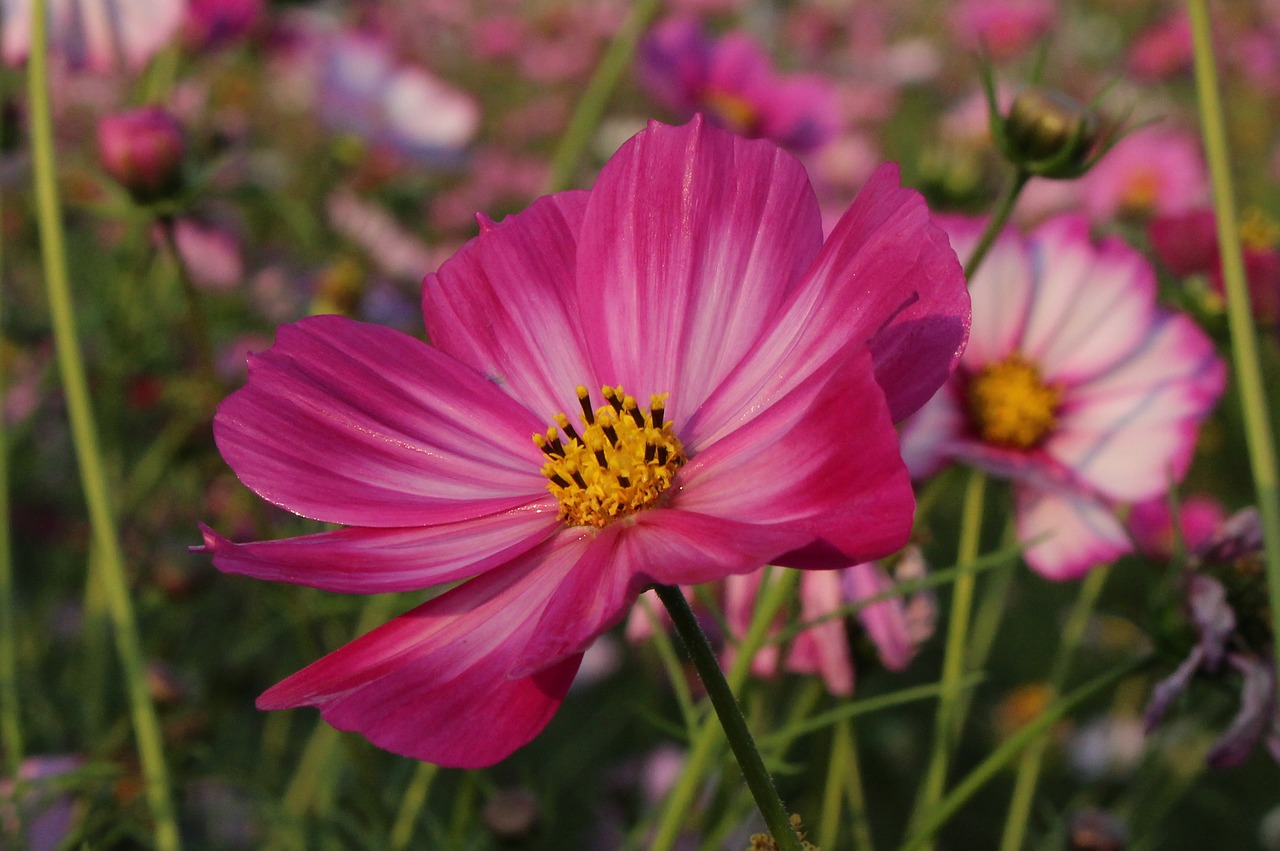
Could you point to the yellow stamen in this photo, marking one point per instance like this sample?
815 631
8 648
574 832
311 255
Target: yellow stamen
1258 231
621 460
1139 194
734 111
1010 405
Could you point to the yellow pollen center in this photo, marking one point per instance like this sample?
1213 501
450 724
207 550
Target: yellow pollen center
1009 405
619 461
1140 192
1258 231
735 112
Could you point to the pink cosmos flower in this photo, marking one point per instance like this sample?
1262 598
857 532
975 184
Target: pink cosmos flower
731 80
1163 50
1075 386
98 35
1152 171
1154 530
1001 28
896 627
693 276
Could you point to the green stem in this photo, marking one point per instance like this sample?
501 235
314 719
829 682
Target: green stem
996 223
949 720
197 327
1024 786
1244 341
85 438
415 798
990 614
10 714
730 714
1014 745
586 117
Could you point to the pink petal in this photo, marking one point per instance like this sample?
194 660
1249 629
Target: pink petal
824 648
1001 290
434 683
376 561
1072 533
1131 432
505 304
361 425
930 435
692 239
887 277
884 621
1092 305
822 461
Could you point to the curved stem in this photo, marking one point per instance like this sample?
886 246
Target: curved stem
1244 340
730 714
949 719
996 223
85 438
1024 786
586 117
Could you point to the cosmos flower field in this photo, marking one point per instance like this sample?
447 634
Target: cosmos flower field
587 424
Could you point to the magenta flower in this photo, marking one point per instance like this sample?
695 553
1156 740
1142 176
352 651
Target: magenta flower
1075 386
1001 28
694 277
732 82
143 149
1157 534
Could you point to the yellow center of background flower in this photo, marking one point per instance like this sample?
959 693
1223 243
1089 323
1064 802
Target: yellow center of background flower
735 112
620 461
1010 405
1258 231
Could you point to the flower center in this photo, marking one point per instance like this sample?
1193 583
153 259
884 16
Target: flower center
1258 231
621 461
1010 405
735 112
1138 197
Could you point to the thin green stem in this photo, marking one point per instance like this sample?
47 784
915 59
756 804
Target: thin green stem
1244 340
85 438
990 614
996 223
949 721
1011 748
832 797
1024 785
198 328
671 661
415 798
586 117
10 708
855 789
730 713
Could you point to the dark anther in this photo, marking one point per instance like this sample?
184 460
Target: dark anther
638 417
601 459
578 480
624 481
611 434
569 432
611 396
662 456
650 452
558 481
657 417
587 414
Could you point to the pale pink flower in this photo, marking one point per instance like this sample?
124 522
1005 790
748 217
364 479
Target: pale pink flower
97 35
1152 171
1075 386
695 267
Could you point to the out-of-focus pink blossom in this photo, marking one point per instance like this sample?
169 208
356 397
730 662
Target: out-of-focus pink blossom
211 24
1075 385
731 80
1163 50
1001 28
210 253
1199 517
1187 243
143 150
1152 171
97 35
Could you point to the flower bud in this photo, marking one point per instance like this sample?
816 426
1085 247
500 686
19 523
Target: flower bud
1045 131
143 149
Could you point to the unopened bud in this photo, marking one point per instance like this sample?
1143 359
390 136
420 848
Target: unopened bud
1049 133
143 149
